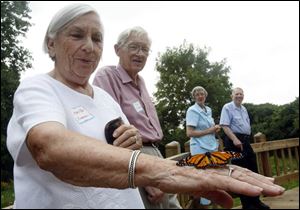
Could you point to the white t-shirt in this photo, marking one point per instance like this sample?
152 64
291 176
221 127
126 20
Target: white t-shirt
40 99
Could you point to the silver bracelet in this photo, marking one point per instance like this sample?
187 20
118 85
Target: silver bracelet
131 168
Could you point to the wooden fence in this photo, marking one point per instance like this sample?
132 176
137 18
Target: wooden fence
278 159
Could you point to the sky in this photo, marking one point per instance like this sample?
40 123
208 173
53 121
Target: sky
259 40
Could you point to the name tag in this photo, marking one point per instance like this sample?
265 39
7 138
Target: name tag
81 114
137 106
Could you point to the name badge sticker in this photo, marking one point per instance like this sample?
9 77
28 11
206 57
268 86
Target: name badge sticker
81 114
138 107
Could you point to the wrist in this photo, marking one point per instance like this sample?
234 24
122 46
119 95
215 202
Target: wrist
131 168
152 170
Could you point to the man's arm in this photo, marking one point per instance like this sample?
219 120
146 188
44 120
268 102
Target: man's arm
232 137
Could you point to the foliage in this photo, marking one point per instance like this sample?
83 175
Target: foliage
14 59
7 194
181 69
261 117
276 122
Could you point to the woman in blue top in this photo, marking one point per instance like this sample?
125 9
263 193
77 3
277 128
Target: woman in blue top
201 128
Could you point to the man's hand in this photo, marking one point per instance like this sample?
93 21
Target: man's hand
237 143
128 136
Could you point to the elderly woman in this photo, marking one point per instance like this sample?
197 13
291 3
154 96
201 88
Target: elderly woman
56 136
56 132
200 127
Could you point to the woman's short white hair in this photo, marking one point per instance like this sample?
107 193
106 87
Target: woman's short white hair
136 31
64 17
199 89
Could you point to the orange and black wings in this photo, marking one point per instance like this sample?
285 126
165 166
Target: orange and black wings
209 159
222 158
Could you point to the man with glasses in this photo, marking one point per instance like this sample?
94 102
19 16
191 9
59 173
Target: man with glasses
128 88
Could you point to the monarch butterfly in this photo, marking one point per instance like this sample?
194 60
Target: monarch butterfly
209 159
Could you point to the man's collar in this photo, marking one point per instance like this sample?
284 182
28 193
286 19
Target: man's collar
123 74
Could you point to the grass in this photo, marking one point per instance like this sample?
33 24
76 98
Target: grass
289 165
7 194
291 185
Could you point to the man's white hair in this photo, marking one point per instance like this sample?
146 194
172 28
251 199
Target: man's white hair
136 31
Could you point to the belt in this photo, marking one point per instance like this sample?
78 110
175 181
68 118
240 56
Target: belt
242 136
151 144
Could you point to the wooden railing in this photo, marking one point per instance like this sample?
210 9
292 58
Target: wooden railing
278 159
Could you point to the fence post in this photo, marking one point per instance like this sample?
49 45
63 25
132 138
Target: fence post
263 157
172 148
187 146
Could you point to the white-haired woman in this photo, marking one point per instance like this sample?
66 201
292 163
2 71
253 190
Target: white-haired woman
200 127
56 136
58 124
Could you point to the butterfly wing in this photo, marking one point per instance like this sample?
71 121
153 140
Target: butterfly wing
195 159
223 157
235 155
199 161
183 162
203 162
213 159
219 158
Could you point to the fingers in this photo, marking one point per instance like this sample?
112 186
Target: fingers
219 197
217 128
155 195
127 136
231 184
240 146
247 177
269 188
137 144
265 179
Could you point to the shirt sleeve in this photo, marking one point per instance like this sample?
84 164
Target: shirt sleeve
37 103
192 118
34 103
225 116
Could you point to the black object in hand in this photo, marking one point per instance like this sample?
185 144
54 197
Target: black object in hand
110 127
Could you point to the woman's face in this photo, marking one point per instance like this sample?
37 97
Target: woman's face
78 48
200 97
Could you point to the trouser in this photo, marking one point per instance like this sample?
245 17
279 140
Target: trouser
248 161
170 200
196 149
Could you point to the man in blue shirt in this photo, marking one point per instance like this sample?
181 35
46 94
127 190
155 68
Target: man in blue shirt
236 125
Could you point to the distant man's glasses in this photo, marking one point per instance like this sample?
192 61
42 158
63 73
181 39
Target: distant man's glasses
134 48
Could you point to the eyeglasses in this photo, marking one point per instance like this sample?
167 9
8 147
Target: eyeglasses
134 48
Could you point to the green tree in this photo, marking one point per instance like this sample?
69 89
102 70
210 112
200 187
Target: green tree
285 122
14 59
261 117
276 122
181 69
